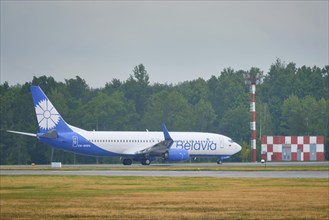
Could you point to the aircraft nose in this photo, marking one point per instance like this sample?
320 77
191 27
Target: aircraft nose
237 147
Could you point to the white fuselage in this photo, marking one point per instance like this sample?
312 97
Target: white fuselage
138 146
128 143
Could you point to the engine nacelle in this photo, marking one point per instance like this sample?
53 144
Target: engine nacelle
177 155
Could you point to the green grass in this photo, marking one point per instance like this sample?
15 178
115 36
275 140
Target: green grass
99 197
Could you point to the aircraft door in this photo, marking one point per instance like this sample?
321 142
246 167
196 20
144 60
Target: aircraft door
221 143
74 141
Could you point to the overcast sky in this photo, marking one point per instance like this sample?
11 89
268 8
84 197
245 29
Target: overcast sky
176 41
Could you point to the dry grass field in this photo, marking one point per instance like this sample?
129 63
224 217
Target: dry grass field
95 197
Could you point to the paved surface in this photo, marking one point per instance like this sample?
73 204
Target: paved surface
237 174
21 170
257 164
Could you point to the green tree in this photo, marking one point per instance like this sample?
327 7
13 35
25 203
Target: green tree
310 82
293 120
229 94
110 112
171 108
278 85
305 116
203 115
254 76
228 91
325 76
77 87
290 101
136 88
235 123
114 85
245 154
264 119
45 82
194 90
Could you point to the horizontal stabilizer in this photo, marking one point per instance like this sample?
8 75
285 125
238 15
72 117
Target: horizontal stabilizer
23 133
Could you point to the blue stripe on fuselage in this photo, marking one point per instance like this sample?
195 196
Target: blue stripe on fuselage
220 156
74 142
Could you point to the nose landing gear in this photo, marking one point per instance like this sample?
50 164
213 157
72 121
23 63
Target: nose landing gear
146 162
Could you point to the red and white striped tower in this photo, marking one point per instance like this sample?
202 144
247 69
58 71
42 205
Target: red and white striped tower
253 120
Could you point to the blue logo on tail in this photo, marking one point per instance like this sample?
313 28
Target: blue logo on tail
47 115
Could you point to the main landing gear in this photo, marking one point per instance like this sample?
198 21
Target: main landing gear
219 162
127 161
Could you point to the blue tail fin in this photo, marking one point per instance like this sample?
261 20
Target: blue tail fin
47 116
167 137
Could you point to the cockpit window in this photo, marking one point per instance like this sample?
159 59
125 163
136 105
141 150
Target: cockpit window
230 140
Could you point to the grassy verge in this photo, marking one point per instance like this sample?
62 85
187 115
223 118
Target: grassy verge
58 197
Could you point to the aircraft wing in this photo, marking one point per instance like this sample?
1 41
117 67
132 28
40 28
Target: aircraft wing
159 148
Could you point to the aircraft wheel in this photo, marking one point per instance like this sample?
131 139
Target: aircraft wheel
127 161
219 162
165 156
146 162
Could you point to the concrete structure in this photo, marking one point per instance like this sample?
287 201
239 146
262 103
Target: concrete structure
292 148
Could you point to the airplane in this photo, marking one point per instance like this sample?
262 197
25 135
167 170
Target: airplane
143 146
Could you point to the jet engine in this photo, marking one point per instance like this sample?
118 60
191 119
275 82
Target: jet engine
176 155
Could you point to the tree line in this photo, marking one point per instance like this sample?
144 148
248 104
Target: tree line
290 101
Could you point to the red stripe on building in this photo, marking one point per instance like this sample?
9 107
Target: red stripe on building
253 116
293 156
293 139
277 156
306 156
278 140
270 148
306 139
319 156
253 97
253 151
253 134
320 139
301 150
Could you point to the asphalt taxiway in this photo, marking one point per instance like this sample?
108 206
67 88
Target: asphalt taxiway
23 170
157 173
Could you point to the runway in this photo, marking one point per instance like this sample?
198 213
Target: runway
156 173
134 170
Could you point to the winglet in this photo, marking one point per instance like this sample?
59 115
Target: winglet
167 137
